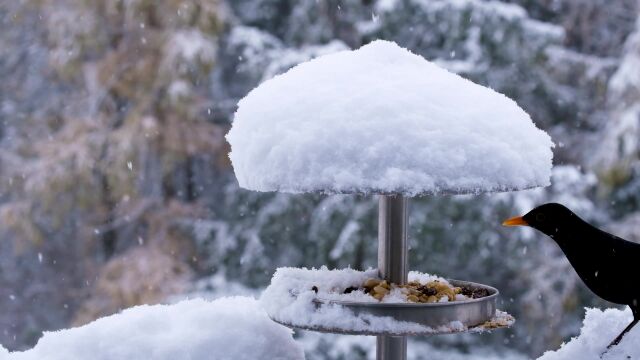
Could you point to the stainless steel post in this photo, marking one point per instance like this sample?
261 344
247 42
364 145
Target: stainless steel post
391 347
392 263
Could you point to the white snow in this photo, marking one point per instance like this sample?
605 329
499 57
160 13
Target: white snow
598 330
618 149
382 119
291 299
192 45
386 5
233 328
497 8
264 56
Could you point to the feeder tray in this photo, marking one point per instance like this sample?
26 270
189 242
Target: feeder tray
472 312
436 318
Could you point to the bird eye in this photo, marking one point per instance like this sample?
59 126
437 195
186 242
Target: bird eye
540 217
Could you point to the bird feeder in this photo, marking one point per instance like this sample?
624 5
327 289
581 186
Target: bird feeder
382 121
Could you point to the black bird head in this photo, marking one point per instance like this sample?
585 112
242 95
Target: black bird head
546 218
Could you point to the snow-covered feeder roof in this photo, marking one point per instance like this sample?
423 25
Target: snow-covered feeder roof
381 119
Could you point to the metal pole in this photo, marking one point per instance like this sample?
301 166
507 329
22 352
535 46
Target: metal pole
392 263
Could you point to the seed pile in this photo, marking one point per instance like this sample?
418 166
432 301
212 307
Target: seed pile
431 292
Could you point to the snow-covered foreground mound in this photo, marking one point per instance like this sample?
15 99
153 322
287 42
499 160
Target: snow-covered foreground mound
598 330
382 119
233 328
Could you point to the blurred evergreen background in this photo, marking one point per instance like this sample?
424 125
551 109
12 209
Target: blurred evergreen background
116 189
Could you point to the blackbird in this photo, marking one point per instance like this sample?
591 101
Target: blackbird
607 264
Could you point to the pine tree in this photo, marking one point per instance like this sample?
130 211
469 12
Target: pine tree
118 156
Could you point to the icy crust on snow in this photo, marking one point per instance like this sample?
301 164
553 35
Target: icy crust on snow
599 328
291 299
233 328
382 119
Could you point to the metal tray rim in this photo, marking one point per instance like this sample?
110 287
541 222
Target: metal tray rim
429 332
378 309
494 295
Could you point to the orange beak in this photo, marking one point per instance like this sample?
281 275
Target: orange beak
515 221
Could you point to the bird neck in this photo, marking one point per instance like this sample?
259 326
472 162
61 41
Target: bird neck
574 235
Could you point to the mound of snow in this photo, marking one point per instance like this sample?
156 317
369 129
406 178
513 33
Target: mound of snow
382 119
598 330
231 328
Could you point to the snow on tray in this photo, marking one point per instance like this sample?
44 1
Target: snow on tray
291 299
598 330
382 119
233 328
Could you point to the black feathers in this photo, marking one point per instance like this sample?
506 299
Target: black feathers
606 263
